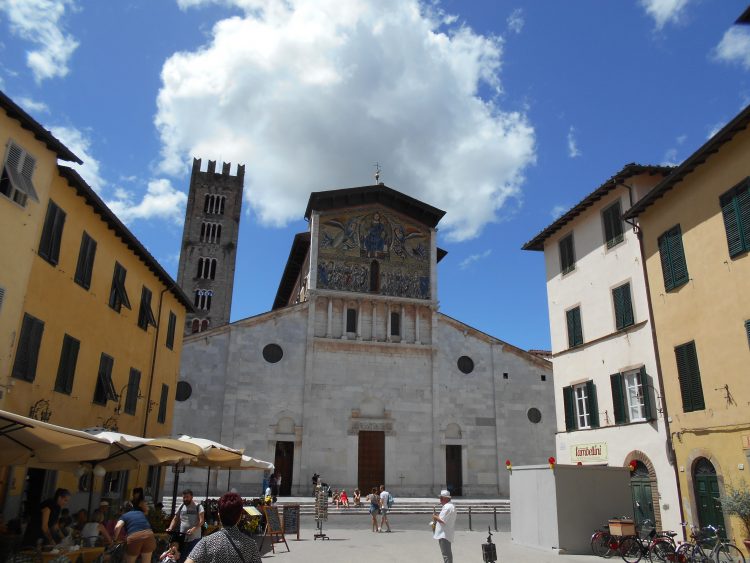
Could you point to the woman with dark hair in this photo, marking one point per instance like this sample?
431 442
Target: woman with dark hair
44 524
140 537
228 544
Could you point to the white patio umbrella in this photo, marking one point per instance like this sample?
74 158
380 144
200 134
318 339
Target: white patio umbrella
129 451
25 441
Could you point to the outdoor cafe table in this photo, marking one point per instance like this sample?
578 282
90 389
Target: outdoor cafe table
84 554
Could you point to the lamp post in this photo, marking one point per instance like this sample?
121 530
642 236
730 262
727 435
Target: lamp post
489 550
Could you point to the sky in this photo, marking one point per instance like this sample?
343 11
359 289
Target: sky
503 113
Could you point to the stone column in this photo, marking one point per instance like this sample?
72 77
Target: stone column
359 320
416 325
402 325
329 321
388 323
374 314
343 319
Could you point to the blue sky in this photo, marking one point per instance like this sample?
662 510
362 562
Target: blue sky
504 114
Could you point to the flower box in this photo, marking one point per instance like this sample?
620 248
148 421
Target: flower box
622 527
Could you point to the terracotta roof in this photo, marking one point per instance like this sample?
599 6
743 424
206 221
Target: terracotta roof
14 111
739 123
348 197
628 171
123 233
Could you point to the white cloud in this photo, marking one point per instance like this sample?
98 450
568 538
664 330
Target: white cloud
715 129
670 158
161 201
734 47
32 105
573 151
558 211
516 21
39 22
664 11
468 261
77 141
310 93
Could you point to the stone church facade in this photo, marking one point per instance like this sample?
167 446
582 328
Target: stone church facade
356 375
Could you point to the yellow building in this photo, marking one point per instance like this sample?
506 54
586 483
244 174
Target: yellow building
96 325
695 229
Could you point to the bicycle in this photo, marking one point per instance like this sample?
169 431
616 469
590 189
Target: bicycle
721 551
657 546
604 544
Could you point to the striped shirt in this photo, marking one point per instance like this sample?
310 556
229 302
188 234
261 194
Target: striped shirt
217 548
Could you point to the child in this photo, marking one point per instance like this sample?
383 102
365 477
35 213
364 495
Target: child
172 554
344 499
357 498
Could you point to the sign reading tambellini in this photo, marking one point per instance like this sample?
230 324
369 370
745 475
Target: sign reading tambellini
589 453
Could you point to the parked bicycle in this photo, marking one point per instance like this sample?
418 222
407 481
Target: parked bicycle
656 546
605 544
706 545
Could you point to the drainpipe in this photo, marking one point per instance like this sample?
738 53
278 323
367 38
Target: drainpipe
153 360
659 376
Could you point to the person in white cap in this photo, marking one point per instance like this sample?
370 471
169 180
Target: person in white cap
445 526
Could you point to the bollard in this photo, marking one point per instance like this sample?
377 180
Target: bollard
470 518
494 516
489 551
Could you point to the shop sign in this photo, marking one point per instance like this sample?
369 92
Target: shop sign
589 453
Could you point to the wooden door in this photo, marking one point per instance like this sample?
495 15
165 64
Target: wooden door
284 463
371 460
706 495
643 503
453 471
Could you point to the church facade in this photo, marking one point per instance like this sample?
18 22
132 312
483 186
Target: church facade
355 374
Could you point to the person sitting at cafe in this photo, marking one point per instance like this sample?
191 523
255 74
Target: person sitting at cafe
93 530
44 522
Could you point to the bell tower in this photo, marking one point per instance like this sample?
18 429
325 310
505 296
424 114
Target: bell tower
209 243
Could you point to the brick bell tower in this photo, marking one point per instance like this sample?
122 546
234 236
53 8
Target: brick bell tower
209 243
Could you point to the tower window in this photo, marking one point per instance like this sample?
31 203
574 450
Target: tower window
351 320
395 324
203 299
214 204
206 269
210 232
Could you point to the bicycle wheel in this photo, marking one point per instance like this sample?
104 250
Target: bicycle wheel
631 549
600 544
661 550
729 553
683 553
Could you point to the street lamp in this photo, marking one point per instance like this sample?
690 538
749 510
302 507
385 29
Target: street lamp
489 550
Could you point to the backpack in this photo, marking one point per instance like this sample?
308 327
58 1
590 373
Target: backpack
390 500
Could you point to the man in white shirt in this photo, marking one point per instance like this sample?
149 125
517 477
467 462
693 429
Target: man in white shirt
384 509
445 526
189 520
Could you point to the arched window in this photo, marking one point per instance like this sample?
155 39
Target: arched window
199 273
212 274
203 299
374 276
204 325
222 201
196 326
207 203
217 236
206 268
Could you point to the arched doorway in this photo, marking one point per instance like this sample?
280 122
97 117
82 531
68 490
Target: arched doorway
707 492
640 488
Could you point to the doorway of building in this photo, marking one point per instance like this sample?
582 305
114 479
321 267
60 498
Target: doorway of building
706 492
371 461
38 486
284 462
640 489
453 472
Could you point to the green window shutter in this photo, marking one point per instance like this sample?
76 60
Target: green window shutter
646 385
85 265
134 382
743 211
49 244
27 353
593 404
730 213
747 330
170 330
67 367
619 306
613 225
666 264
618 398
162 416
569 403
691 388
575 331
627 305
677 258
567 254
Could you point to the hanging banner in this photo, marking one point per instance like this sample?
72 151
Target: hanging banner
589 453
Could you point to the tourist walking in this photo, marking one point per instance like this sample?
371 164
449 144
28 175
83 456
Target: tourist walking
374 499
188 520
140 540
228 544
445 526
384 509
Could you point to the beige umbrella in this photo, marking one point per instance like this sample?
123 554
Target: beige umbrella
213 454
246 462
25 441
129 451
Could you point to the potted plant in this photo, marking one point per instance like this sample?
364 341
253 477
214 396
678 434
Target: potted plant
736 502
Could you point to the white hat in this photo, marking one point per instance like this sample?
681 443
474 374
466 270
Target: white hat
445 493
104 503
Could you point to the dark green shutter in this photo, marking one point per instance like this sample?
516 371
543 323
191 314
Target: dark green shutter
593 404
677 258
85 264
623 306
567 254
747 330
618 398
613 225
743 210
689 376
570 413
67 366
170 330
575 332
27 353
646 387
49 244
162 416
134 382
730 212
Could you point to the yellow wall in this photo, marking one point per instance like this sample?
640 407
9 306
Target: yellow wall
20 235
710 309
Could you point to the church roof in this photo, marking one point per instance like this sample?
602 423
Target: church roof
294 263
348 197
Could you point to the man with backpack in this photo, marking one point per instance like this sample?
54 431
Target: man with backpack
386 501
190 516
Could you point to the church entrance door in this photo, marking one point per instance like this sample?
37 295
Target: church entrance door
453 475
284 462
371 460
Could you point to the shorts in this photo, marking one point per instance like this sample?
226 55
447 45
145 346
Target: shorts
140 542
374 509
384 511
